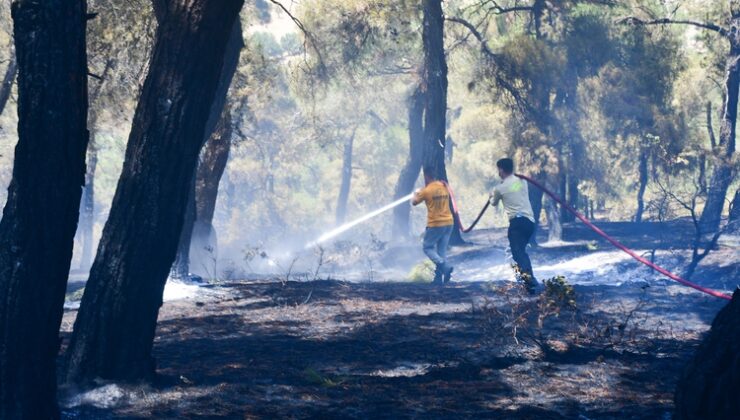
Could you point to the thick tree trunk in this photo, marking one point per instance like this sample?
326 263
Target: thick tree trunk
114 330
724 171
181 267
7 84
39 220
709 385
410 172
642 180
346 178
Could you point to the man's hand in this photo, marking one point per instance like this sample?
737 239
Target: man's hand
417 197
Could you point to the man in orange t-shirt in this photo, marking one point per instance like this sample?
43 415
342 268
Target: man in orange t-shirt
439 225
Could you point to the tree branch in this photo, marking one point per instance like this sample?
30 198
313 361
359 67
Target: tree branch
632 20
475 32
309 36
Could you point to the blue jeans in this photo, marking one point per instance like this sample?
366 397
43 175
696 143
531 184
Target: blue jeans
436 240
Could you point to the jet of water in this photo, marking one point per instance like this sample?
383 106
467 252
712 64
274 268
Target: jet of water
349 225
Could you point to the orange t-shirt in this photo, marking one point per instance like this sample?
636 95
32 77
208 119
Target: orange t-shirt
437 199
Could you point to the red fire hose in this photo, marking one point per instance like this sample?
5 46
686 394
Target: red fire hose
601 233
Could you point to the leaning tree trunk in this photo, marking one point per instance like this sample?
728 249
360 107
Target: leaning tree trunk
213 160
724 171
733 221
643 180
181 267
346 178
39 220
7 83
114 329
410 172
709 385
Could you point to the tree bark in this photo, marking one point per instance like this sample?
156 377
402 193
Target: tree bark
39 220
215 156
535 198
724 171
114 329
181 267
435 99
7 84
708 387
643 180
346 178
734 218
410 172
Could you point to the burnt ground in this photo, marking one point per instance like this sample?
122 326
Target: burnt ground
332 349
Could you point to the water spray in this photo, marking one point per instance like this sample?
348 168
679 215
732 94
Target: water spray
349 225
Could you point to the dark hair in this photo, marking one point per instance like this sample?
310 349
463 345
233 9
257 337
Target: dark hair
506 164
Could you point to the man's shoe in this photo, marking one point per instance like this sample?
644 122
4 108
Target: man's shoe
438 274
448 273
530 283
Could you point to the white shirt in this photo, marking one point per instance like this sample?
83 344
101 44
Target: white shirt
514 193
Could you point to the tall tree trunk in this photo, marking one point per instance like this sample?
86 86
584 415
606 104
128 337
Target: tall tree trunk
724 170
410 172
643 180
114 329
7 84
435 98
535 198
346 178
181 267
213 160
39 220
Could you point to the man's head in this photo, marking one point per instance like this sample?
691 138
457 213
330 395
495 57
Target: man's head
505 167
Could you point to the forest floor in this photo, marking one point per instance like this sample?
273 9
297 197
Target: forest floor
389 349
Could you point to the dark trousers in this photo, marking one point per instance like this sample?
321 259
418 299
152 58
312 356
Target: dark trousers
520 231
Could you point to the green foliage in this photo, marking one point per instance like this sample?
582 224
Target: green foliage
422 272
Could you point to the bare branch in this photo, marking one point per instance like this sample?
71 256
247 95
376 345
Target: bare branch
475 32
632 20
309 36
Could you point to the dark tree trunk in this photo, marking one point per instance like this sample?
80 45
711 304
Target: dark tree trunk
709 385
642 180
435 98
734 219
40 217
214 157
346 178
552 211
410 172
535 199
181 267
724 171
7 85
114 329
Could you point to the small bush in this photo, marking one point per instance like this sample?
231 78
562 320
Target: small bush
422 272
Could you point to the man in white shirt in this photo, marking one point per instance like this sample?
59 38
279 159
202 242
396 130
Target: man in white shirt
514 194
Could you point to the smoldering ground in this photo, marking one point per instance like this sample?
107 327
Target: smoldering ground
328 340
